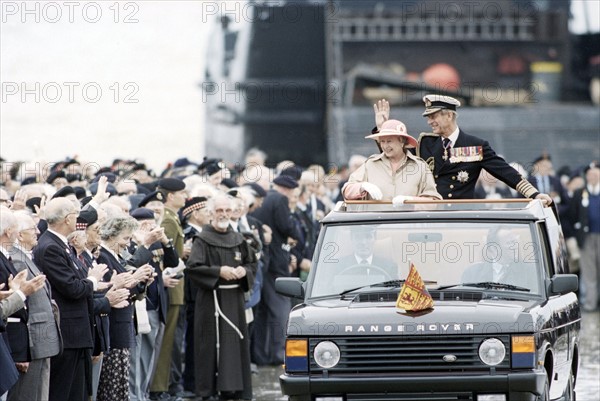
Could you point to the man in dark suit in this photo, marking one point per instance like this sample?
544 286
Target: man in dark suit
42 326
503 266
456 158
70 371
585 216
363 256
268 343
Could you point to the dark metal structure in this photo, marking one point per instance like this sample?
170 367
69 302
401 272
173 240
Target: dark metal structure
298 78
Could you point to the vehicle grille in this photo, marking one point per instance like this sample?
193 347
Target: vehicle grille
411 397
392 296
410 354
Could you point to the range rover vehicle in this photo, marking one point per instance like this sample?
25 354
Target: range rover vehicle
504 325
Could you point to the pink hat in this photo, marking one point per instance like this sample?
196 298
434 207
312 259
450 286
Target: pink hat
395 127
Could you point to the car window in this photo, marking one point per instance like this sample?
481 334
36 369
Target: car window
447 253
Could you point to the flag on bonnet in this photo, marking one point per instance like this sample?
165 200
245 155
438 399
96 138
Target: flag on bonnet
414 295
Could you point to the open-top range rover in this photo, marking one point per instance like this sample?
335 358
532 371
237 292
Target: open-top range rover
505 320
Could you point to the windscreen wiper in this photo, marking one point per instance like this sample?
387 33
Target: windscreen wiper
486 284
389 283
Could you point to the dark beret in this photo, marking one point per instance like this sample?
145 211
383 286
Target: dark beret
29 180
183 162
104 170
229 183
258 190
142 213
171 184
294 171
32 202
110 176
285 181
211 166
542 157
73 177
192 204
86 218
55 175
150 186
79 192
85 201
152 196
142 189
110 188
64 192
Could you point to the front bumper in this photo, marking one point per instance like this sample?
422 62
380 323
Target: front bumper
525 386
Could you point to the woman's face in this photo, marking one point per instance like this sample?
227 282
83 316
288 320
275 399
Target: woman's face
122 241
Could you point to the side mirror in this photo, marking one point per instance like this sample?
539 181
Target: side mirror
563 284
290 287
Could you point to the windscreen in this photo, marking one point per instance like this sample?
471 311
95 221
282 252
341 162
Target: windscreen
445 253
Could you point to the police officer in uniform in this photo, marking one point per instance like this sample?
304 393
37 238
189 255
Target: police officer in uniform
456 158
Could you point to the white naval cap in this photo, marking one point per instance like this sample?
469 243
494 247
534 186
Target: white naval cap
435 103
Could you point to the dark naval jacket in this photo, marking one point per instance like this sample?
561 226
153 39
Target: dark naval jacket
457 175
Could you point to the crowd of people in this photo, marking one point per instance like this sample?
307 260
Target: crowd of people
117 283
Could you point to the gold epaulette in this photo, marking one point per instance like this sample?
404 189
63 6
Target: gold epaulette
421 135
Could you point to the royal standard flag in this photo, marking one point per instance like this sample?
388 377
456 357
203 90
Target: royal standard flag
414 295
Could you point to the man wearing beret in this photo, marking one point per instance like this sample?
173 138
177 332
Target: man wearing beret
155 202
169 360
268 343
456 158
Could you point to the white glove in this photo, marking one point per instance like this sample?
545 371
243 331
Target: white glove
372 189
399 200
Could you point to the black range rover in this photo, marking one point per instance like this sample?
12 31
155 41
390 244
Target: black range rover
504 325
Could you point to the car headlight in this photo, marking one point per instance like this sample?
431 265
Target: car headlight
327 354
492 351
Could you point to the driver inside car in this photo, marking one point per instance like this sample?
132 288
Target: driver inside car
364 260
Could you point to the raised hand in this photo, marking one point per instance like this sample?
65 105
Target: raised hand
101 194
382 112
19 199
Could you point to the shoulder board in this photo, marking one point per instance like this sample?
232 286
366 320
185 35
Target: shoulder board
427 134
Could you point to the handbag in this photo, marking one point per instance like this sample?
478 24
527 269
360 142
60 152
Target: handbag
143 323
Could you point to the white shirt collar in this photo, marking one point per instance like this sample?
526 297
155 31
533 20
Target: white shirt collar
198 228
62 237
593 190
110 250
4 252
454 136
359 259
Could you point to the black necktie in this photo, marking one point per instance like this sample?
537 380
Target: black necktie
364 262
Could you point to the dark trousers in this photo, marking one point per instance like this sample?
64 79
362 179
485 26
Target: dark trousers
189 383
268 335
68 375
175 382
